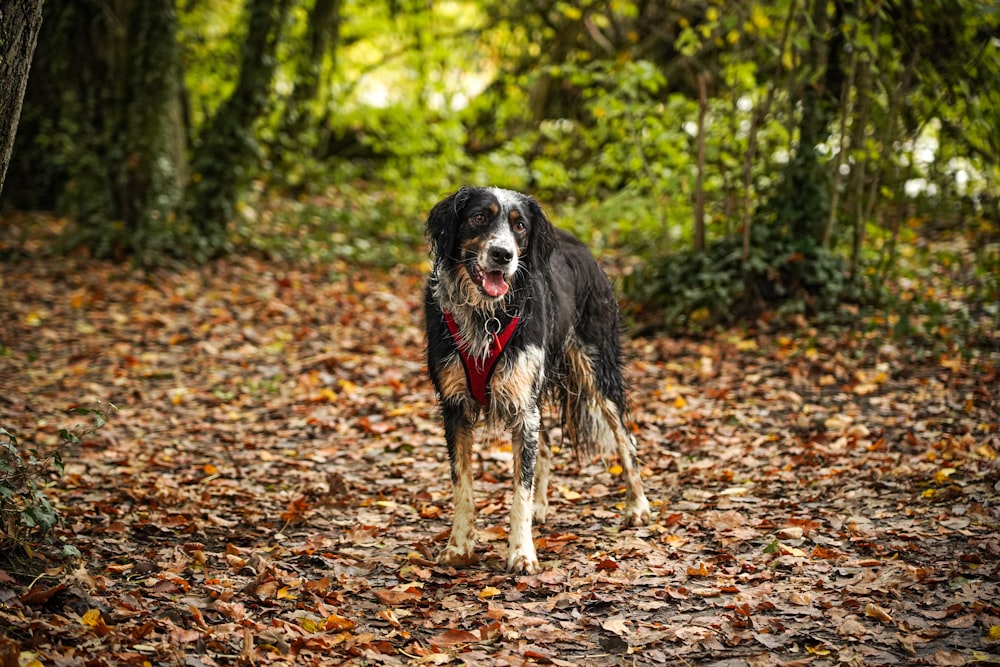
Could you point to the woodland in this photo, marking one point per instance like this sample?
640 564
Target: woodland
218 442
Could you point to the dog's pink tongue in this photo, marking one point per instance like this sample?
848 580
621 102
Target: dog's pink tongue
494 284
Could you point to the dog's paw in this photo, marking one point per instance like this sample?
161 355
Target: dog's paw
637 512
519 562
457 557
540 512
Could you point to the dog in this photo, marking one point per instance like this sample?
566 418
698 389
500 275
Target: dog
517 312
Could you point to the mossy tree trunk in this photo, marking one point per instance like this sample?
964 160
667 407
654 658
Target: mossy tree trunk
300 131
151 128
224 158
802 202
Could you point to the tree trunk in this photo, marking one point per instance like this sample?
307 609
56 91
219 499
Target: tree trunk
802 199
756 118
20 21
151 126
846 108
224 158
699 201
298 122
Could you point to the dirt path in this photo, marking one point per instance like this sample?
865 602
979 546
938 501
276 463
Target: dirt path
273 489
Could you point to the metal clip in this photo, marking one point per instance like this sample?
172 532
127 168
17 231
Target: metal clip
493 332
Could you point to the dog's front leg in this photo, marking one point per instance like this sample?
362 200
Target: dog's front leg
458 431
521 555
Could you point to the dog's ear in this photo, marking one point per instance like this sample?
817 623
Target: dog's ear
443 220
543 236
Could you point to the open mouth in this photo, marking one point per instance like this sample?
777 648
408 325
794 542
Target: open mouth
492 282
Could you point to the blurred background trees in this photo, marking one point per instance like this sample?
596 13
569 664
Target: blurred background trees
748 157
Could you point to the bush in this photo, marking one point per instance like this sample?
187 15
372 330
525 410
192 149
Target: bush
26 515
25 510
694 290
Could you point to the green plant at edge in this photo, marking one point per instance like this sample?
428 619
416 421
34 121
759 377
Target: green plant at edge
26 515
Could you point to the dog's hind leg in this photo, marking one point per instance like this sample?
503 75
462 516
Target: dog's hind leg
637 512
593 408
459 434
540 508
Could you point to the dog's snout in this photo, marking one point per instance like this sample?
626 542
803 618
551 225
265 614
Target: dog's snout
501 255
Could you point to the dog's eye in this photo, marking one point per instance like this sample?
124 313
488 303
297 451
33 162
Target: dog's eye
519 226
479 218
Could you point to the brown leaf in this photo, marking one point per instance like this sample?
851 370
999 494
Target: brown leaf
949 658
334 623
618 626
964 621
453 637
397 596
36 597
872 610
607 565
850 626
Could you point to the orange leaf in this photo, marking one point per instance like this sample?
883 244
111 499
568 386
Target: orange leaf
337 623
393 596
608 564
876 612
453 637
701 571
389 617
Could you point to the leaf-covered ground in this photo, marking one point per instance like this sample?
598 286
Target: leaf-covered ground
273 489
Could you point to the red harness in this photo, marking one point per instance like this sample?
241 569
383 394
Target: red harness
479 369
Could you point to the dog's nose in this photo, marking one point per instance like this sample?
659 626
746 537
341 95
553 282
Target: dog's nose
501 255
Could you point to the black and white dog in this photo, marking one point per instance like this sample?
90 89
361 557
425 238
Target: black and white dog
518 311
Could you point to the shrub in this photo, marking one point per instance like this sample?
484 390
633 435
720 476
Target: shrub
26 515
694 290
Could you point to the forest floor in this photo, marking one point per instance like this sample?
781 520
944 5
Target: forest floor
273 487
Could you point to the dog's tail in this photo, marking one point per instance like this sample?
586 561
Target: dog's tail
593 404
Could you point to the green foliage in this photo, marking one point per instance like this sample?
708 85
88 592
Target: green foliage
25 510
26 513
694 290
341 226
689 289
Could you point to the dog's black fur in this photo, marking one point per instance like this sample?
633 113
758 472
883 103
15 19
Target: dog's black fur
497 257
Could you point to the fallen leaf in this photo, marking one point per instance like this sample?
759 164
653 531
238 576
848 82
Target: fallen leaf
36 597
850 626
874 611
700 570
335 623
453 638
569 494
618 626
397 596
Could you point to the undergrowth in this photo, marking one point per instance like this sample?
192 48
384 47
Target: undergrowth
356 226
942 292
26 515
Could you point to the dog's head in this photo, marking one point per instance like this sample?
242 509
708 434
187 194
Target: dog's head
489 238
